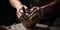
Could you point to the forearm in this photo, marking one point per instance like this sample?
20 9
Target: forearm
49 8
16 3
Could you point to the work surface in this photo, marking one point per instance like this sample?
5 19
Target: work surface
54 28
21 27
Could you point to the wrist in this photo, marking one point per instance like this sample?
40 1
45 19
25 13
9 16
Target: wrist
19 7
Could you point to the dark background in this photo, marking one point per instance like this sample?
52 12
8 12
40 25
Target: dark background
8 14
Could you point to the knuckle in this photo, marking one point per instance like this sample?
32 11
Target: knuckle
18 16
25 7
21 11
31 9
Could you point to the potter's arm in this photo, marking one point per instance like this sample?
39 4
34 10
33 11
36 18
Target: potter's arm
49 7
16 4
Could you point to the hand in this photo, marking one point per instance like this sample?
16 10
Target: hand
32 19
36 14
21 10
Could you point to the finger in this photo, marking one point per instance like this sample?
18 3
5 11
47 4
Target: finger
35 11
38 19
27 11
33 19
40 16
34 16
20 18
20 14
22 10
24 14
34 8
25 7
